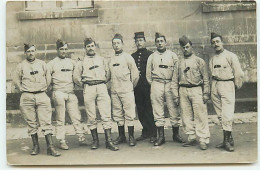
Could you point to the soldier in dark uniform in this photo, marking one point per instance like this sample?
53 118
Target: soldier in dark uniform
142 90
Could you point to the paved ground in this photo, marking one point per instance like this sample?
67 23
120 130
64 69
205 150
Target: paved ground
245 135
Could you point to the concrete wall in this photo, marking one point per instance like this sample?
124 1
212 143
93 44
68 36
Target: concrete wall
172 18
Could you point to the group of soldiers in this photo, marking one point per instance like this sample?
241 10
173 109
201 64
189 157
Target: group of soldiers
143 80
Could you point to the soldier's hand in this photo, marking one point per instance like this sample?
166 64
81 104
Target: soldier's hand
177 101
205 98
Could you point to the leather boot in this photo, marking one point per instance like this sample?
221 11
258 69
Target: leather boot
231 141
175 135
121 138
95 143
153 135
161 138
50 147
36 147
221 145
131 136
227 145
109 143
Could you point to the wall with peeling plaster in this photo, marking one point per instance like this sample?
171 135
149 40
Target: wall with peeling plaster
172 18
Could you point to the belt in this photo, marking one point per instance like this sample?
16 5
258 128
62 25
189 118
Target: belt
190 86
162 80
36 92
91 83
221 79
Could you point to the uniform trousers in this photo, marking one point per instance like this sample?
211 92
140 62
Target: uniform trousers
223 98
36 110
97 95
160 92
194 113
62 101
123 108
144 108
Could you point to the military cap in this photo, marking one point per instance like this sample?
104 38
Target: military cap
88 41
184 40
214 35
139 35
157 35
60 43
27 46
118 36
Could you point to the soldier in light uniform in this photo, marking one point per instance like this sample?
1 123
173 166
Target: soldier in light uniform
159 72
142 90
190 86
124 77
93 73
61 71
226 74
32 80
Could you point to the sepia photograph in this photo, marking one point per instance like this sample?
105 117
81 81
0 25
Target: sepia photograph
131 83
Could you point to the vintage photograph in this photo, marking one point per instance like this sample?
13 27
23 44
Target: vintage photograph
121 83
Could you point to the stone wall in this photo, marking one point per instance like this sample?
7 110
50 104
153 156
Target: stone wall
236 21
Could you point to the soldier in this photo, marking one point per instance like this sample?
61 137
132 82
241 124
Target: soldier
159 73
93 73
32 80
142 90
226 74
124 77
190 86
61 71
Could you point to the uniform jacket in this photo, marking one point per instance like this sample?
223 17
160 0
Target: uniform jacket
141 56
61 71
226 66
160 66
191 71
32 76
124 73
91 69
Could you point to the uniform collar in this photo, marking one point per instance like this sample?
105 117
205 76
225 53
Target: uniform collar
141 50
31 62
118 53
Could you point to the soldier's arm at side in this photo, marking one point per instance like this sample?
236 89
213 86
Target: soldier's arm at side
149 69
47 74
17 77
175 81
238 72
77 74
133 70
204 71
108 73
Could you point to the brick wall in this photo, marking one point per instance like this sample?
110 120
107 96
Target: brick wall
237 24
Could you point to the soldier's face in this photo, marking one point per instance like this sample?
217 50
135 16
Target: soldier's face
62 51
30 54
140 43
187 49
117 45
217 44
90 48
160 43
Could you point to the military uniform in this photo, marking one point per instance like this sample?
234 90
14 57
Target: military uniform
190 83
95 69
32 79
61 71
93 73
226 74
124 77
142 93
159 72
